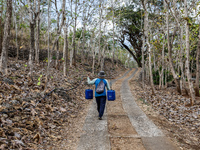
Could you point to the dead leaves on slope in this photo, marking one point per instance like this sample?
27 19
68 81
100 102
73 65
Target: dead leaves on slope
174 108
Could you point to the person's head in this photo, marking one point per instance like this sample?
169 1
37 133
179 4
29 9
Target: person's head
101 74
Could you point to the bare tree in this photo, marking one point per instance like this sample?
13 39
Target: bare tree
197 66
92 42
100 34
74 34
146 33
65 50
143 47
170 53
113 22
6 38
163 60
37 34
16 28
1 24
187 63
58 26
31 7
88 12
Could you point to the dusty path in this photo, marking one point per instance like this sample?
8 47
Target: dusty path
124 126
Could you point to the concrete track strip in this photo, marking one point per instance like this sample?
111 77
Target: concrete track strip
95 132
152 137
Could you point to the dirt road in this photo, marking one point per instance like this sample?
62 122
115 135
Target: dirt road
124 126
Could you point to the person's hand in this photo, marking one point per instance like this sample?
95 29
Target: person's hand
88 75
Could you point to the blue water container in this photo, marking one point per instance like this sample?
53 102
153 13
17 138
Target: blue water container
88 94
111 95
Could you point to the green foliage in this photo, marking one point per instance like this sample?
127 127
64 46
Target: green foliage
79 33
156 76
39 80
54 57
45 60
130 22
53 21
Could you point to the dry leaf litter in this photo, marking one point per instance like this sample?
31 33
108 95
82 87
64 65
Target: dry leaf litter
30 121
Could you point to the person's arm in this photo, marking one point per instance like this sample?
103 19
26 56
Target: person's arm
91 81
108 85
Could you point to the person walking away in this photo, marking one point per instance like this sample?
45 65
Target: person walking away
100 92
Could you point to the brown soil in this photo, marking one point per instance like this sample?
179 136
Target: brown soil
122 134
126 143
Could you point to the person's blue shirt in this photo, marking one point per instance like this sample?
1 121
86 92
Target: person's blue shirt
96 82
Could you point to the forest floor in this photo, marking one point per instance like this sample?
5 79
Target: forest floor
170 111
56 121
34 118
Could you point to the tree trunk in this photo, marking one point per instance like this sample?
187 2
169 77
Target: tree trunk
170 55
146 32
49 51
16 30
92 41
74 36
57 43
100 16
32 38
143 44
131 52
187 63
83 45
6 38
166 75
83 35
197 67
113 21
150 69
182 80
163 59
37 40
65 51
102 58
143 66
1 27
32 42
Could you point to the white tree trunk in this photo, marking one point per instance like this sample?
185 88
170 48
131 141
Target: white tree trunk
74 34
170 55
16 30
1 30
197 66
100 16
49 55
102 58
163 59
187 63
113 21
146 32
37 40
143 66
92 41
6 38
65 51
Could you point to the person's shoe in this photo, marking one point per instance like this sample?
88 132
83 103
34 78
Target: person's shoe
100 118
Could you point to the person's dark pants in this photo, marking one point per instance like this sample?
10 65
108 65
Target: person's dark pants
101 103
